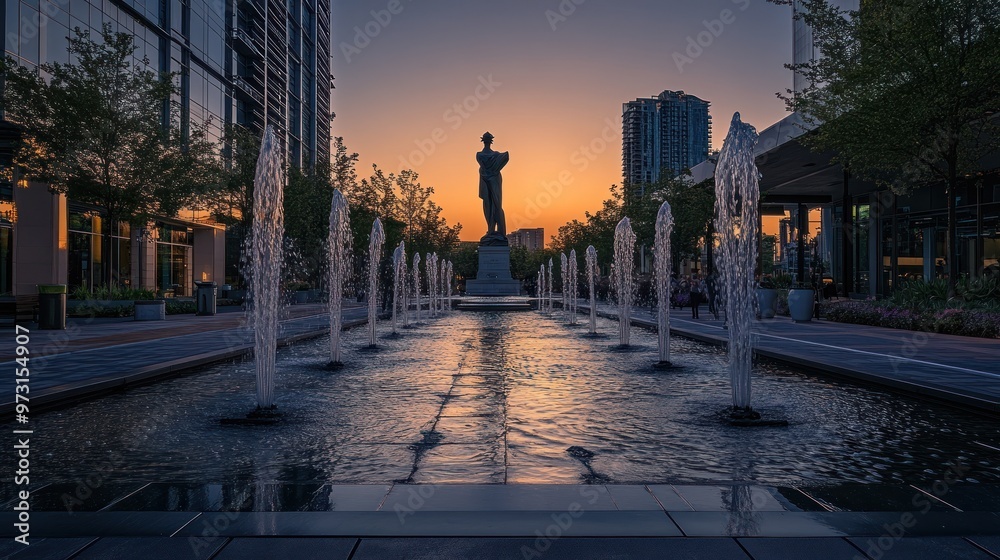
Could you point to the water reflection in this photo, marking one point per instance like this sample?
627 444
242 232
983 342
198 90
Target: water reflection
494 398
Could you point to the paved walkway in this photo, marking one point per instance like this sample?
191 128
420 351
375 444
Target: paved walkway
366 522
93 356
958 369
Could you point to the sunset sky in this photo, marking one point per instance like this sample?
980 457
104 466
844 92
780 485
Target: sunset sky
418 88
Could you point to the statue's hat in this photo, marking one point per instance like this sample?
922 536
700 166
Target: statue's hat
487 136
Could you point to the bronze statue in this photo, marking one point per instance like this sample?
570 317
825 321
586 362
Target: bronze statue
491 191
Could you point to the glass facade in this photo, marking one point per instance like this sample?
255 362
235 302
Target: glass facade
242 62
87 252
173 261
901 238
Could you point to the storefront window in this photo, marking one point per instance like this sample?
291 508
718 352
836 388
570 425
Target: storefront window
173 261
86 258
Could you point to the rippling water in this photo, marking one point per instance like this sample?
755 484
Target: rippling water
503 397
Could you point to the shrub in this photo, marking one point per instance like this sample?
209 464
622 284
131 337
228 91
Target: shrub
175 307
115 293
963 322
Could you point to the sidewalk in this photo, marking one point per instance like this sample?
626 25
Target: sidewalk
484 522
93 357
956 369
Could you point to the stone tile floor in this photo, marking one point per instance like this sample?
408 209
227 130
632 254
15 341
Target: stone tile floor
303 521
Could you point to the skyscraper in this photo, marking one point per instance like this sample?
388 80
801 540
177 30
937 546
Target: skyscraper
235 59
237 62
670 132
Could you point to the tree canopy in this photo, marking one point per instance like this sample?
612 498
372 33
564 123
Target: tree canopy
103 130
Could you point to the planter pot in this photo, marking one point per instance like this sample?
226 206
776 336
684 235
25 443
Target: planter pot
150 310
800 304
767 302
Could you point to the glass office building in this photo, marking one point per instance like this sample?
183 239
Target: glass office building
242 62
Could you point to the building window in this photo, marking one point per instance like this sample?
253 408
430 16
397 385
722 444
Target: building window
173 261
87 250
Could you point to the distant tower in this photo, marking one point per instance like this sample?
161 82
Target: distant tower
672 132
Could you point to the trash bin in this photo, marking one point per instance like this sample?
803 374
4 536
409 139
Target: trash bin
52 306
205 298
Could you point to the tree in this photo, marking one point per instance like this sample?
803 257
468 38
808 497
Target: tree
308 196
233 204
693 206
96 131
905 92
344 175
411 202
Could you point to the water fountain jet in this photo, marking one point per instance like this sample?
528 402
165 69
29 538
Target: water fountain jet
737 196
375 242
416 284
591 274
661 271
573 277
339 250
623 278
398 281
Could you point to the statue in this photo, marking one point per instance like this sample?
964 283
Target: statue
491 191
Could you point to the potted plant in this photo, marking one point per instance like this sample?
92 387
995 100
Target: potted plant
767 297
801 300
149 309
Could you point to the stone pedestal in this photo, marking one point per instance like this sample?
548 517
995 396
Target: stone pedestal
494 277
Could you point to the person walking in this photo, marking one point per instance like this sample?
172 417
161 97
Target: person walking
712 289
697 289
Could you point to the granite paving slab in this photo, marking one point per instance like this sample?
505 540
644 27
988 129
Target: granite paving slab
78 496
888 548
406 523
291 548
100 524
875 497
549 549
151 548
48 549
499 497
737 497
223 497
792 548
773 524
631 497
991 544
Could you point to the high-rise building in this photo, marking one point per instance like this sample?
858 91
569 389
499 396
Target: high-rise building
667 133
803 50
242 62
531 239
237 60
